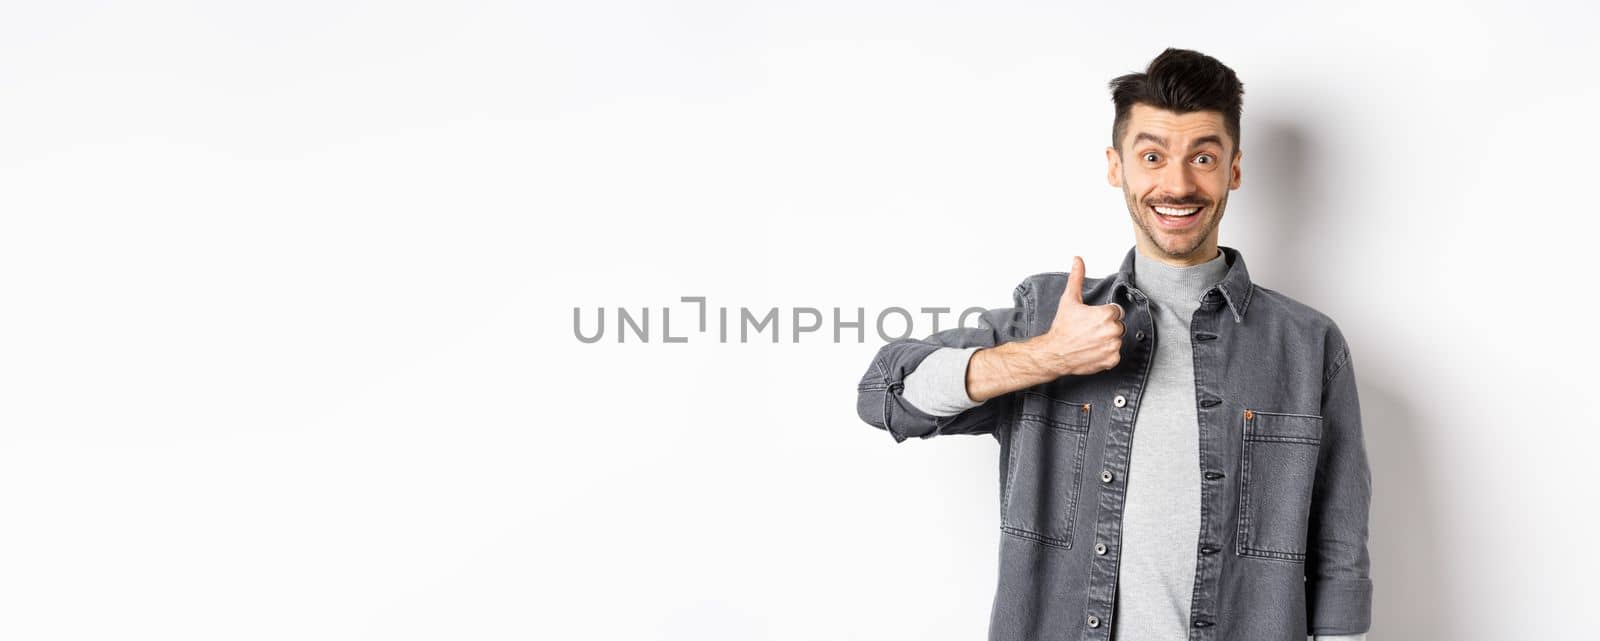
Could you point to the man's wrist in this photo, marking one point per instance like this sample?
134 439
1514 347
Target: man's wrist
1004 368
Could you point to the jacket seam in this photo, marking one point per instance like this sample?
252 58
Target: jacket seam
1338 364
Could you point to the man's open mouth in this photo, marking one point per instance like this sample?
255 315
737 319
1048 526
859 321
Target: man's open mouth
1176 212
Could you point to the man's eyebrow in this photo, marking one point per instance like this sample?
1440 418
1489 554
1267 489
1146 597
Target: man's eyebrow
1150 137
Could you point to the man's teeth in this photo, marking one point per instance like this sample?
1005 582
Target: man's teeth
1168 211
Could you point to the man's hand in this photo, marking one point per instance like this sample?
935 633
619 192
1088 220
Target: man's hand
1082 339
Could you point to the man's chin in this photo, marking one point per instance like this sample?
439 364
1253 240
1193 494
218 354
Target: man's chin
1178 243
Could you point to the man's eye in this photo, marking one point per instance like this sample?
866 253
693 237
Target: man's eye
1203 159
1151 157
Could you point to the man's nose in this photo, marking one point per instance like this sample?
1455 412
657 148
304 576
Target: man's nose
1175 180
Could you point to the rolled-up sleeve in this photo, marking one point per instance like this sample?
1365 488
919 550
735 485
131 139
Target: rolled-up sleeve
939 385
881 400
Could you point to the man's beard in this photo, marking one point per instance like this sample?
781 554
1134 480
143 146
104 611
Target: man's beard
1191 240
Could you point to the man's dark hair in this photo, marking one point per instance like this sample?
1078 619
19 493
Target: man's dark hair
1180 81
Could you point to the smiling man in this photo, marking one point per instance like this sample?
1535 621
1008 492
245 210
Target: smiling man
1181 449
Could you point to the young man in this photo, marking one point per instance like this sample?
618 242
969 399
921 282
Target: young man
1181 451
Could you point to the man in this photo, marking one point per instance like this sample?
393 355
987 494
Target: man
1181 452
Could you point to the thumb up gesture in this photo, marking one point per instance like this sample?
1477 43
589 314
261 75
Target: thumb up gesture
1083 339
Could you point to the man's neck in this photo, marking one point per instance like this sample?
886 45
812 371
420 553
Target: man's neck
1177 284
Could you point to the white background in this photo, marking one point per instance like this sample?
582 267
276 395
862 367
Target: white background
286 293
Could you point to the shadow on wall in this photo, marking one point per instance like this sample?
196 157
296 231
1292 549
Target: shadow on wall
1413 588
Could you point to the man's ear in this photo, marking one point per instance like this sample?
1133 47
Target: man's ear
1233 182
1114 167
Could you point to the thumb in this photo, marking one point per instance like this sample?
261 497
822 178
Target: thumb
1074 291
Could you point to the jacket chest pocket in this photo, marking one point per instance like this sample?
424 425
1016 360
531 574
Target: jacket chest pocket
1044 474
1276 472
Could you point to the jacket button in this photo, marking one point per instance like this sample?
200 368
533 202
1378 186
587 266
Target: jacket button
1201 623
1119 401
1214 475
1099 548
1105 476
1208 550
1139 335
1094 621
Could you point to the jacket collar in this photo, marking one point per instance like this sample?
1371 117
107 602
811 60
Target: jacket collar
1235 287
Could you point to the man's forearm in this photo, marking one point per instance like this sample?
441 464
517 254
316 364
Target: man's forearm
1008 367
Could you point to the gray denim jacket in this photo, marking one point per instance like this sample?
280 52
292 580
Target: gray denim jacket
1282 550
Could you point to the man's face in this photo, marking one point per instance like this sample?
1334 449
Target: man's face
1175 164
